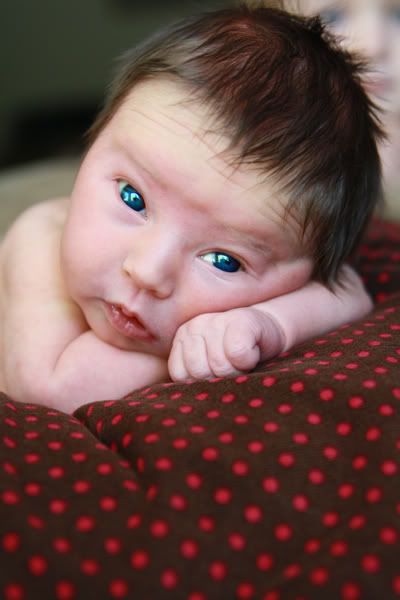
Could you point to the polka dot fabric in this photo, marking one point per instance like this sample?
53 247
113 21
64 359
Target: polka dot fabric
279 485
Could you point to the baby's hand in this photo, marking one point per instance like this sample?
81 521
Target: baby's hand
218 344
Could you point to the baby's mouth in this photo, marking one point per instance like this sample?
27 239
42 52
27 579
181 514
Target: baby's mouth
127 323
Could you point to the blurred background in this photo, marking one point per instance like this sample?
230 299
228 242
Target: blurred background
56 57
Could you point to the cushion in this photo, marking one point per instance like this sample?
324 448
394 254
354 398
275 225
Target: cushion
279 484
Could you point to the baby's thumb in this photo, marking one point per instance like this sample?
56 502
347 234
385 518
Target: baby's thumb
241 345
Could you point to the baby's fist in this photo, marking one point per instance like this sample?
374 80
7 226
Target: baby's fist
218 344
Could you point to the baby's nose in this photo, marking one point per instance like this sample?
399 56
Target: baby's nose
153 265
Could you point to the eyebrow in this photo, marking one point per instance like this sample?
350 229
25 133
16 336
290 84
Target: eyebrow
268 250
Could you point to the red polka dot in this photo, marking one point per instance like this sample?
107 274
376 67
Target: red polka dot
85 523
297 387
35 522
292 571
14 591
319 576
346 490
164 464
10 497
32 489
269 381
240 468
255 447
61 545
283 532
339 548
159 529
112 545
344 429
356 402
300 438
90 567
253 514
300 503
226 437
330 519
169 579
237 541
223 495
357 522
140 560
359 462
245 591
388 535
189 549
370 563
265 562
37 565
389 468
65 590
218 570
271 485
373 434
373 495
286 459
271 427
81 487
312 546
210 454
351 591
316 476
330 452
314 419
108 504
11 542
56 472
396 585
118 589
327 395
134 521
194 481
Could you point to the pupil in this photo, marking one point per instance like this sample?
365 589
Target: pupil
226 263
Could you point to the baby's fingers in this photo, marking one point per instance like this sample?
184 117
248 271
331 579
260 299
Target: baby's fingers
188 359
176 366
241 346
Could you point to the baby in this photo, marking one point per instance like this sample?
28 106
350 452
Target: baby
229 176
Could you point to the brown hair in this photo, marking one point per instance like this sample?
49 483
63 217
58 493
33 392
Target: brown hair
291 102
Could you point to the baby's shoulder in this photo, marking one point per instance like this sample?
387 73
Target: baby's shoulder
37 222
49 214
29 250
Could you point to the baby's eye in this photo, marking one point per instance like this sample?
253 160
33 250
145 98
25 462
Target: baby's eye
223 262
130 196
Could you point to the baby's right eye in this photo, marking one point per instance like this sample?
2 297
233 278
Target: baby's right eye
130 196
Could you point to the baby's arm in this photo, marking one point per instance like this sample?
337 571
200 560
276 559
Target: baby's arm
217 344
48 354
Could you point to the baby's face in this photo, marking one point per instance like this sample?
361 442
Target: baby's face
371 27
161 228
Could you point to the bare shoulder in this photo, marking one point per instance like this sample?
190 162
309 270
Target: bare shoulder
29 251
45 215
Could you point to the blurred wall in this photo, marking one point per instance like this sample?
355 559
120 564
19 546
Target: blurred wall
56 57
